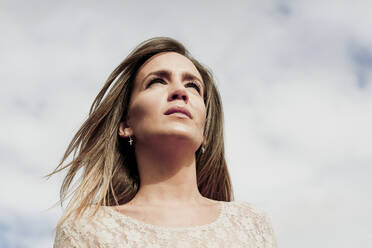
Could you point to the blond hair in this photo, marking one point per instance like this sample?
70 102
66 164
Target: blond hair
109 169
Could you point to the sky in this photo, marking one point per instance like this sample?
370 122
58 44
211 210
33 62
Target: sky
295 79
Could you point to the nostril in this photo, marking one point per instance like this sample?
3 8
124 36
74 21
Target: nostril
179 94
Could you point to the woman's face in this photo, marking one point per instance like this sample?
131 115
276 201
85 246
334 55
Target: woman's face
167 100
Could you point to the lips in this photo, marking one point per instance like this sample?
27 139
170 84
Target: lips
178 109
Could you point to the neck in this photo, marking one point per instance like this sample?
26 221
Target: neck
167 174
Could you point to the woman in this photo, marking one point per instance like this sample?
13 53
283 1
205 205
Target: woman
151 158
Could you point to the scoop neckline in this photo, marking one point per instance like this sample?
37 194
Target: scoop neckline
165 228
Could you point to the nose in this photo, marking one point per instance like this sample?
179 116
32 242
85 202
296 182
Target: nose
179 93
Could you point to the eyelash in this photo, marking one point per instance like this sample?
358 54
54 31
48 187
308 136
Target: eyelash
155 80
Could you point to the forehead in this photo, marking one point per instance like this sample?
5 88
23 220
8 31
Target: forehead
171 61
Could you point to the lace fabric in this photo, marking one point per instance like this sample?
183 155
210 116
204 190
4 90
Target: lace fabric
239 224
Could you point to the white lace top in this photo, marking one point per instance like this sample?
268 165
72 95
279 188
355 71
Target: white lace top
239 225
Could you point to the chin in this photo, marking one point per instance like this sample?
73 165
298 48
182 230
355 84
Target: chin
179 135
187 134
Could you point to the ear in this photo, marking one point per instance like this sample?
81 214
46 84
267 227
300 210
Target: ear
124 130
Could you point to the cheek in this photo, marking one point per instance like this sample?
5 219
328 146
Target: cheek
201 123
140 110
202 115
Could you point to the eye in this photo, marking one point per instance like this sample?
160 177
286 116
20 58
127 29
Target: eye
194 85
155 80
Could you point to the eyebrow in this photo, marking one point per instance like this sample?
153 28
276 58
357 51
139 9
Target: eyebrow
167 74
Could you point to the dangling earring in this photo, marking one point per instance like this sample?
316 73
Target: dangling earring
202 149
130 141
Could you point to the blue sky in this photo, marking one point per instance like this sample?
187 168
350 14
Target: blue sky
295 80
